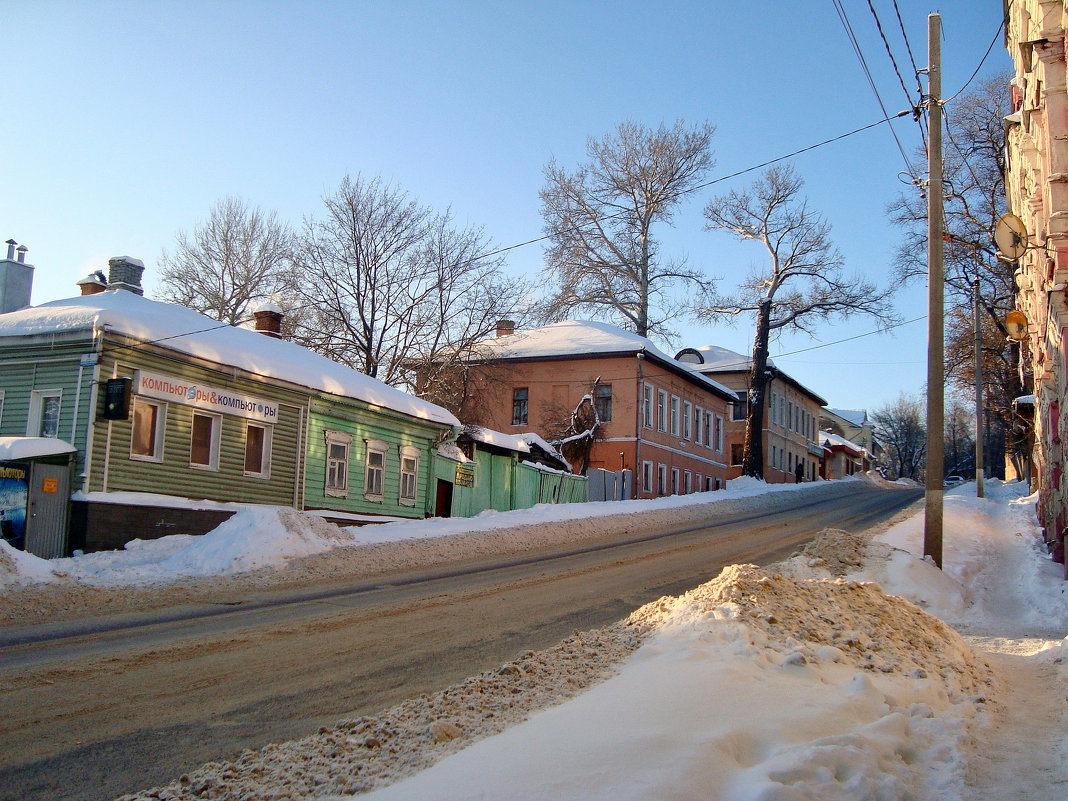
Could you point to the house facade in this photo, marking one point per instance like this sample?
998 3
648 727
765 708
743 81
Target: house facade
173 415
653 415
789 431
1037 190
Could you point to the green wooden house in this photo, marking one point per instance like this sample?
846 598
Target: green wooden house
176 418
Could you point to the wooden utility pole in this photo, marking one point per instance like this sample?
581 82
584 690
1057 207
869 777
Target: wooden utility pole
980 490
932 520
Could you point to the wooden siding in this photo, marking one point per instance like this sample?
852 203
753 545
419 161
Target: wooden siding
36 364
112 469
364 422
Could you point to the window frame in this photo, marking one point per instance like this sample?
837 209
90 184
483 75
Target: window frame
647 405
719 425
379 447
675 476
603 402
265 449
36 417
336 488
687 420
647 477
675 408
661 478
520 406
213 443
158 434
408 452
661 410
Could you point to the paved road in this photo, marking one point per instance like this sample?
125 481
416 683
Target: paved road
98 708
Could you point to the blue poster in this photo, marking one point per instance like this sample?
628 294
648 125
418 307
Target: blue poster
14 498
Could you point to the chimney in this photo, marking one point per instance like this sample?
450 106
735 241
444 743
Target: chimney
269 320
505 328
16 278
93 283
125 273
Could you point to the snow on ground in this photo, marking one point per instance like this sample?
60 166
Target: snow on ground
834 675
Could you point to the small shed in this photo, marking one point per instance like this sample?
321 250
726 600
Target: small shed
35 482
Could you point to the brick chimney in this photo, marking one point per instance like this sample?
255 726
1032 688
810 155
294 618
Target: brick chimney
93 283
125 273
505 328
269 320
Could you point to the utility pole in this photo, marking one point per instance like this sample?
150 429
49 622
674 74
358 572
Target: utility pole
932 519
980 491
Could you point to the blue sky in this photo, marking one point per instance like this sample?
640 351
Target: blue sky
126 121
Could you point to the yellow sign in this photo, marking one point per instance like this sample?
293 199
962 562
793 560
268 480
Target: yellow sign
465 476
50 485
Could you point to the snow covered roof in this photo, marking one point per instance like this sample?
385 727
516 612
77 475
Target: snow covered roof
497 439
585 338
15 448
857 417
192 333
723 360
830 440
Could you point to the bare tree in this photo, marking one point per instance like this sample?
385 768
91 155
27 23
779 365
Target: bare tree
974 171
235 258
802 283
395 291
901 429
603 258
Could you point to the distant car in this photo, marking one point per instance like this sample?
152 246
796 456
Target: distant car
952 481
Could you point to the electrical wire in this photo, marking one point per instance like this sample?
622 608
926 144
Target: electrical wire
986 55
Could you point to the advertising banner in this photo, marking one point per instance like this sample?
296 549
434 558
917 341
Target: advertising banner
214 399
14 498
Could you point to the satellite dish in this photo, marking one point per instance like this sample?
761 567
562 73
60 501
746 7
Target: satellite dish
1016 324
1010 234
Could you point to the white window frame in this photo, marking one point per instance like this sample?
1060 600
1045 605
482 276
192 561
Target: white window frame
674 481
158 435
265 452
647 477
687 482
408 477
675 415
647 405
661 410
661 479
379 447
698 426
719 433
213 445
38 398
687 420
336 477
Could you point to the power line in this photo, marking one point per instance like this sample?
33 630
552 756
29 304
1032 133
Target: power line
986 55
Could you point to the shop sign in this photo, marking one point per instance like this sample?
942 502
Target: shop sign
465 475
225 401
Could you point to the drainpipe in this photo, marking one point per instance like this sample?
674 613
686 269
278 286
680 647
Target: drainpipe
639 406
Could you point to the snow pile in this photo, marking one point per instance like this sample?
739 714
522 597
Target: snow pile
20 568
761 685
257 537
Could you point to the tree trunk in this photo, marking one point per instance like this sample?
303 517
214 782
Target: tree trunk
753 455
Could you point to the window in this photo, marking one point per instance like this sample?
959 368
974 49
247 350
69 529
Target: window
674 415
409 475
700 431
697 482
661 410
602 399
647 405
687 420
661 478
519 406
44 413
687 482
737 449
719 434
790 415
337 464
204 442
775 418
738 410
146 438
647 476
374 470
674 481
258 450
